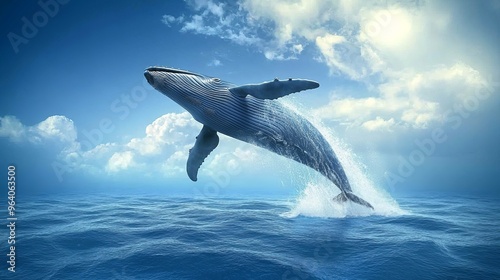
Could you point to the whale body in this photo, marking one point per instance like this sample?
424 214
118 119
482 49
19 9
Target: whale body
253 118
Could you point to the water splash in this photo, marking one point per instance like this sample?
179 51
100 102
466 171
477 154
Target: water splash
315 200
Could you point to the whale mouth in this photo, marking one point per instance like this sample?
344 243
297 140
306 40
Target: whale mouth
149 77
154 73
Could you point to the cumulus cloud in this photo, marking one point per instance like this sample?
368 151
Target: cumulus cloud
357 39
168 131
409 60
120 161
175 163
162 150
59 128
12 128
379 124
414 99
353 38
413 63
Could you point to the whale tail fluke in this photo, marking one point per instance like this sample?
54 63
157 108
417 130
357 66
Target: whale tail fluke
345 196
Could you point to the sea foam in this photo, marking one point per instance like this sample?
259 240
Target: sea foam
316 198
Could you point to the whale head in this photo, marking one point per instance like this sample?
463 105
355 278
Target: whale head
190 90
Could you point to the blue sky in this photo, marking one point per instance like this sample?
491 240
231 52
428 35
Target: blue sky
412 89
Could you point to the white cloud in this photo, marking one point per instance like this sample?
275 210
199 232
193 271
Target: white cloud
99 154
388 27
165 148
120 161
57 132
59 128
300 18
234 23
162 150
409 61
12 128
415 100
241 37
274 55
332 56
214 23
162 138
197 25
208 6
224 20
214 63
405 53
170 130
356 39
169 20
175 164
298 48
379 124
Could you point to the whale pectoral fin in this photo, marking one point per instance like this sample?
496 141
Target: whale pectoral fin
205 143
345 196
295 85
274 89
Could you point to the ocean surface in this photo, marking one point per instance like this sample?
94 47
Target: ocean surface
306 237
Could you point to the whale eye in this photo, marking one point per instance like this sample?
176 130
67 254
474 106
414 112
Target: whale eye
216 80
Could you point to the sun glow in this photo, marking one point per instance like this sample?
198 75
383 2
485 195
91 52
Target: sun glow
389 28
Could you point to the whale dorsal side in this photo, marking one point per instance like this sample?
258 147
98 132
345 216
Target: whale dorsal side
205 143
274 89
224 108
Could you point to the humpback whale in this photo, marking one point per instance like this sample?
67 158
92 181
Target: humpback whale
249 113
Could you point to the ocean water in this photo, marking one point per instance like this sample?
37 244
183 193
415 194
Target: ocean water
303 237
